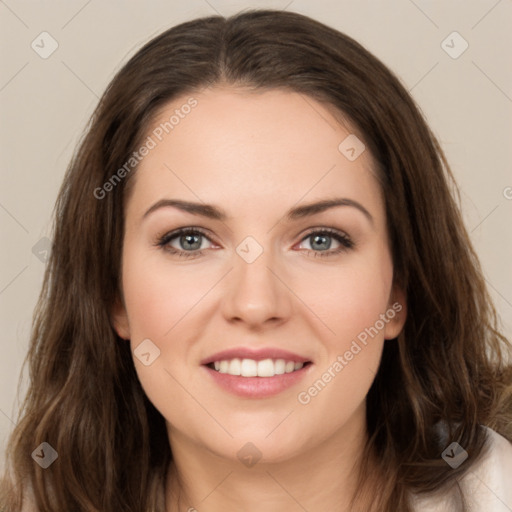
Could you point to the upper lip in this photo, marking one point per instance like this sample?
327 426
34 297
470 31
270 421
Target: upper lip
256 354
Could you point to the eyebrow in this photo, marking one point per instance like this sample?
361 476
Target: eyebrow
214 212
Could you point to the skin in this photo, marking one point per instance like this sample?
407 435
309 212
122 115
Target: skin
256 155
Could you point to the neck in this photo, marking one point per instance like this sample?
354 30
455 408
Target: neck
321 478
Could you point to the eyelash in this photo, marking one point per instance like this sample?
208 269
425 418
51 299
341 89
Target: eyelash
163 242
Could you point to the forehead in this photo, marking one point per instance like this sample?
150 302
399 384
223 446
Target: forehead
265 148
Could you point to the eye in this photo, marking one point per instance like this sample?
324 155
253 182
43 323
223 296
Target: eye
189 242
320 242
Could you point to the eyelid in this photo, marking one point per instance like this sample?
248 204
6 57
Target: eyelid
174 233
343 238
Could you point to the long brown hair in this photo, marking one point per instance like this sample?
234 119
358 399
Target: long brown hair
447 368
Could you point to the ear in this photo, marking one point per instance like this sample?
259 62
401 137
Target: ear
396 312
119 319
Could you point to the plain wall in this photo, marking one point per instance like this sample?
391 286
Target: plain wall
45 104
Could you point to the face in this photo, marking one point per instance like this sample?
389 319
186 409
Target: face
297 300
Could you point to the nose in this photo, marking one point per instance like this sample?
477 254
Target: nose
256 293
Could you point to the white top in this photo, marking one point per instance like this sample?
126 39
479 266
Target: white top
487 487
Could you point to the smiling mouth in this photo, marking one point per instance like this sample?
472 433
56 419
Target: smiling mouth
252 368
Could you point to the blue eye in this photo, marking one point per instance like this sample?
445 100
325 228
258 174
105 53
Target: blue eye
190 241
322 240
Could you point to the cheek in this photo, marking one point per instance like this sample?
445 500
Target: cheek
345 373
354 309
160 303
159 294
350 298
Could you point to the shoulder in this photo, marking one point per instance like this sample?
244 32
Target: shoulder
486 486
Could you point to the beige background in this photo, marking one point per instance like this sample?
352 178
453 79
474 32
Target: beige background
45 104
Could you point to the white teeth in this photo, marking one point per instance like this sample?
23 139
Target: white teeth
279 366
235 367
266 368
252 368
249 368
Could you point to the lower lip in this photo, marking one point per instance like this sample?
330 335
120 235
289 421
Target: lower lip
257 387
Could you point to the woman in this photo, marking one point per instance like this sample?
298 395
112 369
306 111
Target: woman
261 294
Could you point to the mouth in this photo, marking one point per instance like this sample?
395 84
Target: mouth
250 373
